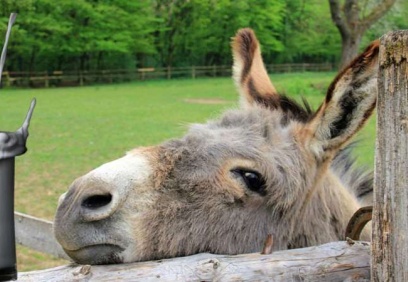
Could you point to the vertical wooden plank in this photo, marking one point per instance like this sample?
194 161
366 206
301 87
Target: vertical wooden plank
7 80
46 80
389 260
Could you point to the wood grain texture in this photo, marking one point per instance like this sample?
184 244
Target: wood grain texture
337 261
390 214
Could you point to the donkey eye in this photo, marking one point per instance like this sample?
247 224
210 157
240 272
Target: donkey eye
253 180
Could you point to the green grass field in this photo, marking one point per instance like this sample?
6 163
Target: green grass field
77 129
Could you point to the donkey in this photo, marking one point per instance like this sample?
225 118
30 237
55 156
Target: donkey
270 167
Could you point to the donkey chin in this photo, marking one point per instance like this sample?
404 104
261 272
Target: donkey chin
97 254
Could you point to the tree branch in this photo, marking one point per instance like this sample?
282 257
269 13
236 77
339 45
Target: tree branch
351 12
377 13
335 12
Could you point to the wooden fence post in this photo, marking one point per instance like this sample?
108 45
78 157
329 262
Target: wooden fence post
7 80
81 79
389 260
46 80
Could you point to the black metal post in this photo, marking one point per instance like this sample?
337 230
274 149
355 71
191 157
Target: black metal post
12 144
8 270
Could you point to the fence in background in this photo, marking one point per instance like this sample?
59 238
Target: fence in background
75 78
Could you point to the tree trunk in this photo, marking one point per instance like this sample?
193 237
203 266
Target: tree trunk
32 60
352 25
82 61
99 61
390 215
60 61
349 49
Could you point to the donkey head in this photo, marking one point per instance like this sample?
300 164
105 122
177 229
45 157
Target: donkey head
271 167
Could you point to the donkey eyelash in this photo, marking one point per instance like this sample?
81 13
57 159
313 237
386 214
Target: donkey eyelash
253 180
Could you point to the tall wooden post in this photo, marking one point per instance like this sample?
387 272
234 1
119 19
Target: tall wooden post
389 260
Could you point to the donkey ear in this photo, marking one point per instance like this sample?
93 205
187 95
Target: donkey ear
249 71
349 102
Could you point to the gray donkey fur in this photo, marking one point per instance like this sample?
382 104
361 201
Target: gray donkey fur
271 167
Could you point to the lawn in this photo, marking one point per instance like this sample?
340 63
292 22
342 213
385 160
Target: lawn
74 130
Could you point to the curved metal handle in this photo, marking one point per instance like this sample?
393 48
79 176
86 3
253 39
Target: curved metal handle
357 222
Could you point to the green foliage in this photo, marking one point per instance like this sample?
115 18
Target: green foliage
111 34
395 19
309 35
77 34
199 31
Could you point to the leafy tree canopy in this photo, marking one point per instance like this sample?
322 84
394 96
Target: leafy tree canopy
106 34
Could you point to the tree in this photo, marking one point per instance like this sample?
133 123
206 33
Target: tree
84 35
306 36
353 19
195 32
78 35
395 19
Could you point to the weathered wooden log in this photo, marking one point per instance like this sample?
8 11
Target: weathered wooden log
390 214
337 261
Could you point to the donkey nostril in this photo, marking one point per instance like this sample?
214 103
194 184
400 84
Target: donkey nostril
97 201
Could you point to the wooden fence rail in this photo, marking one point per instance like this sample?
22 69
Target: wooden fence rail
37 234
337 261
76 78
